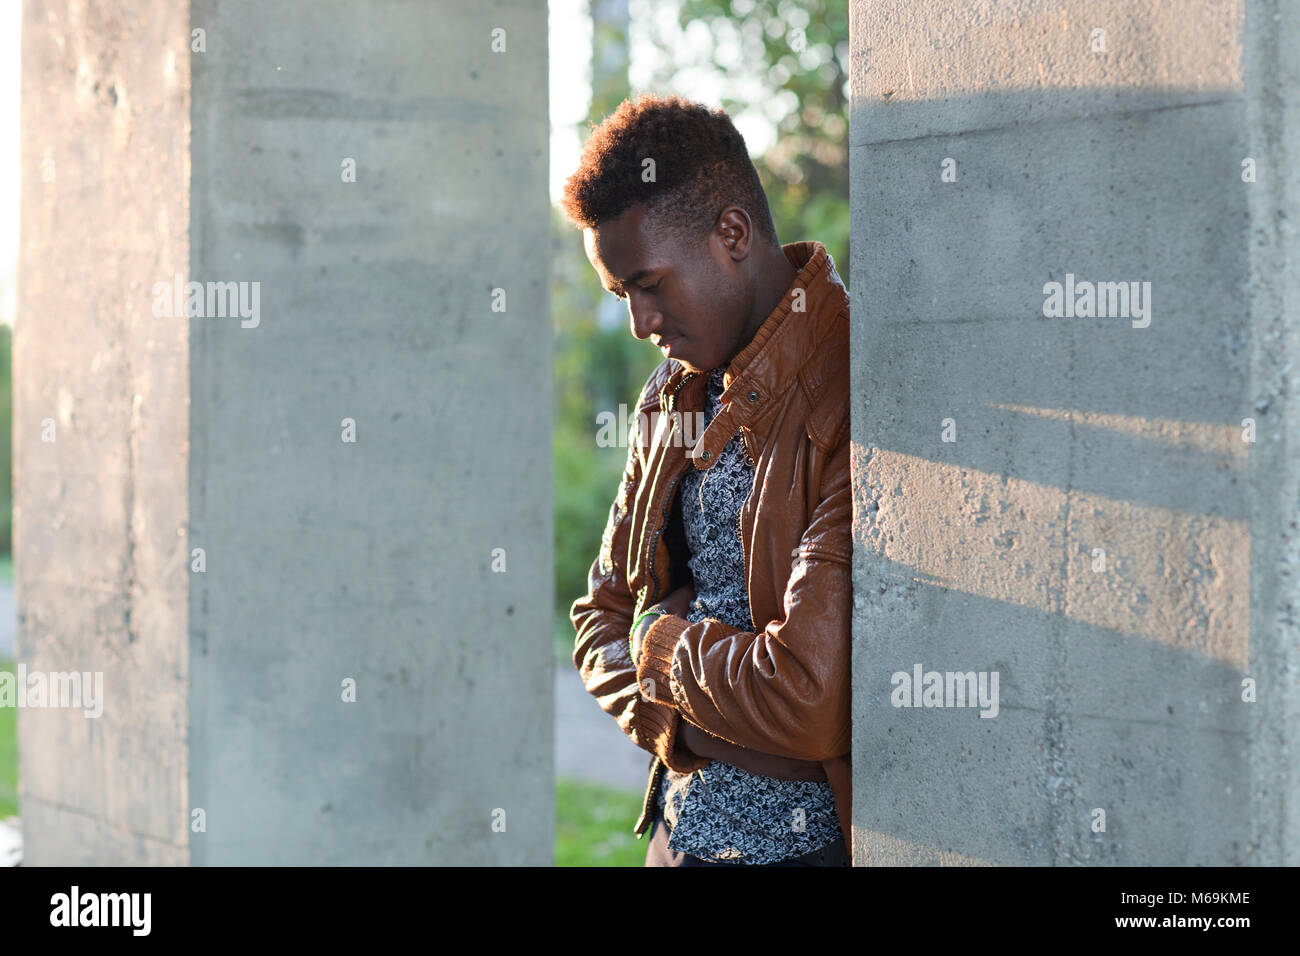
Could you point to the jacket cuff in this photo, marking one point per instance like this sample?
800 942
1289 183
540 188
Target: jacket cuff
657 719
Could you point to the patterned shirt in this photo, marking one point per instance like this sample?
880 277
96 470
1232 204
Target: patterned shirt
721 812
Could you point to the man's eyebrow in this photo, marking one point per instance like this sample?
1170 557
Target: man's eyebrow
620 283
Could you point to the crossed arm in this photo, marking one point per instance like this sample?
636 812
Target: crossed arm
782 690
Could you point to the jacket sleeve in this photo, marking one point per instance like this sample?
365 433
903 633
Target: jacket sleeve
786 689
602 619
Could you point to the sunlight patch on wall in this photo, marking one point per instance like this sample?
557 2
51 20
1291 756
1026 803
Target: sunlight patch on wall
1180 579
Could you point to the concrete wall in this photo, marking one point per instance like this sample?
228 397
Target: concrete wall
325 560
100 430
1096 531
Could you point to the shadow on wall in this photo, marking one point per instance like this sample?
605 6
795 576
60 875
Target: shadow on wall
1062 499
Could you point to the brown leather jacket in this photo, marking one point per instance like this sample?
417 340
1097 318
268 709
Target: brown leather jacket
774 700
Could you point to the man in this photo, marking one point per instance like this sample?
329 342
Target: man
716 625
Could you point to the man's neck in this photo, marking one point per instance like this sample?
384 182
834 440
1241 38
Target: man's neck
777 275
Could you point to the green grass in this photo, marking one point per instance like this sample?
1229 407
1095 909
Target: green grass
8 754
593 825
7 567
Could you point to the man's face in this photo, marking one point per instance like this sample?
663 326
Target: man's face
691 301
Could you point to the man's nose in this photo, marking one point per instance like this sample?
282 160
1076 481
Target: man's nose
645 319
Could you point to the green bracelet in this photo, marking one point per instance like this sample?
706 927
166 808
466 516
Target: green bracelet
637 623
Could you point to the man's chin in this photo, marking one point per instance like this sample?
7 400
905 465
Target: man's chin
686 360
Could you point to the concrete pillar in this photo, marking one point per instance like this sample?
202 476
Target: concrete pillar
1071 501
361 451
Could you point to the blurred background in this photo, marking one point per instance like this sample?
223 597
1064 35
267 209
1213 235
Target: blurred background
10 23
780 70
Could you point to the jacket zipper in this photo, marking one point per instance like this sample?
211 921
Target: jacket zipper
740 532
744 561
744 440
668 505
657 771
652 788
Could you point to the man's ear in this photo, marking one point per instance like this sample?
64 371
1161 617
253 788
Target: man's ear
736 232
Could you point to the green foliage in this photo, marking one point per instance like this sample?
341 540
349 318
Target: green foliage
6 439
797 50
593 825
9 754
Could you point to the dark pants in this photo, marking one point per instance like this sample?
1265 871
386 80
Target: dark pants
658 854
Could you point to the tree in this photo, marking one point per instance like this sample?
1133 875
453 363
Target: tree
796 54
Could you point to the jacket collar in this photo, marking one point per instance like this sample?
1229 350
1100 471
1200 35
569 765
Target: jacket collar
758 377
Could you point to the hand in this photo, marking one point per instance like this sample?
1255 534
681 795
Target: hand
677 603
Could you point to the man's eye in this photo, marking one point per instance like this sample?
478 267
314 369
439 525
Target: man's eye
644 288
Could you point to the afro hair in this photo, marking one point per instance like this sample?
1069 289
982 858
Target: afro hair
700 167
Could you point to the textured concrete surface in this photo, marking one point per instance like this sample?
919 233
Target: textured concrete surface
374 560
927 69
1076 438
327 560
101 429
